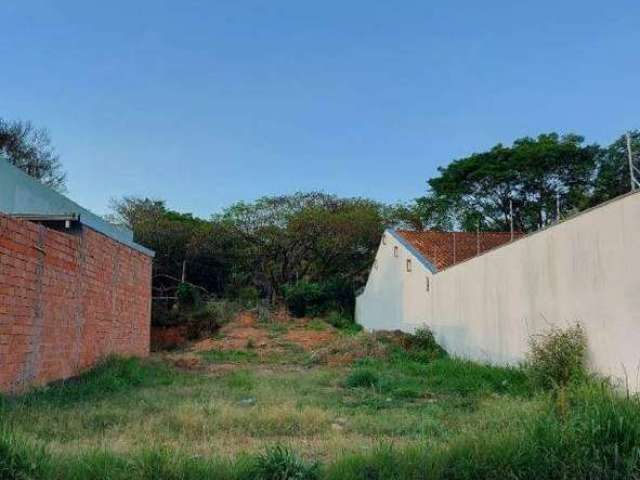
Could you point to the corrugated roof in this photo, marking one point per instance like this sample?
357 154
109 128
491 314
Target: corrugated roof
23 196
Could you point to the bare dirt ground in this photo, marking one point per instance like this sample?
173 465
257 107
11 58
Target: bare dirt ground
276 338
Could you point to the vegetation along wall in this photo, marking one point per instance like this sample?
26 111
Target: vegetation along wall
66 301
585 269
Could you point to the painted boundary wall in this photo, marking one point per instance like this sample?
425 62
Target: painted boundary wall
585 269
67 301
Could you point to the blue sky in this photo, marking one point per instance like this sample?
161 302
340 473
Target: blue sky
204 103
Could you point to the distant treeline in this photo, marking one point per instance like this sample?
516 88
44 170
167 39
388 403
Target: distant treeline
309 243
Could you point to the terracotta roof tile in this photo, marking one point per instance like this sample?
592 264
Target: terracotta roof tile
444 249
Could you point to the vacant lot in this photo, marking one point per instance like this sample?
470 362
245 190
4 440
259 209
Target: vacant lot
262 399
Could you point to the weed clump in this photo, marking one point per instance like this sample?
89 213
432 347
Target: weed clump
17 461
280 463
363 377
557 357
422 345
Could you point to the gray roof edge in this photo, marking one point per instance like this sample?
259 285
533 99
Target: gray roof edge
416 253
131 244
23 195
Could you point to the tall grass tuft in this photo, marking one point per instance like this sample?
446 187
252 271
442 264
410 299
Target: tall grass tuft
19 461
363 377
280 463
558 357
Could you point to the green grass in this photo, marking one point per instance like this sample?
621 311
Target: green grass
230 356
391 418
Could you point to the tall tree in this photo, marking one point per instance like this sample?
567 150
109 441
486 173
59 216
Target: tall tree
530 177
30 149
206 247
613 168
310 236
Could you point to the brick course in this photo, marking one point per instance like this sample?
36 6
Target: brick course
66 301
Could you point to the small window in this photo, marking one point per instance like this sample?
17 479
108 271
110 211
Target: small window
395 251
427 283
408 264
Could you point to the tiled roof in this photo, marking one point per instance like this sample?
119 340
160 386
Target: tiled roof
444 249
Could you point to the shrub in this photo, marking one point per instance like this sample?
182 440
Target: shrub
558 357
280 463
363 377
423 345
339 320
303 298
317 298
248 297
188 295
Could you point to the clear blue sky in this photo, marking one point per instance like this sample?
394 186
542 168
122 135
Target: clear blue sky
204 103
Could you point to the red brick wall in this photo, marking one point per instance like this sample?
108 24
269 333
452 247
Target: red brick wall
66 301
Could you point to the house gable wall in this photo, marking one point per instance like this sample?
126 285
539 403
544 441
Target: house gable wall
586 270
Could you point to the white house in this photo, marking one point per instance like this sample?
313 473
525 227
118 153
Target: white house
401 281
486 302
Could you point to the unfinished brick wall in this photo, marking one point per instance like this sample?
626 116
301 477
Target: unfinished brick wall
66 301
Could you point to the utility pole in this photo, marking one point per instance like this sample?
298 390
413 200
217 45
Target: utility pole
511 218
634 182
557 206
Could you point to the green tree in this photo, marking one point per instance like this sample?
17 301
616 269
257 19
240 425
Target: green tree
612 178
212 253
531 175
311 236
30 149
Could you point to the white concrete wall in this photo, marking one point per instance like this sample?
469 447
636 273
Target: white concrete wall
585 270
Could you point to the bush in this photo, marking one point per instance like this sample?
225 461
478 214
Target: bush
558 357
318 298
280 463
363 377
248 297
304 298
339 320
423 345
188 295
221 312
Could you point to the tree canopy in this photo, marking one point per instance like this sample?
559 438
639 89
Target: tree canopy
535 178
266 244
30 149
